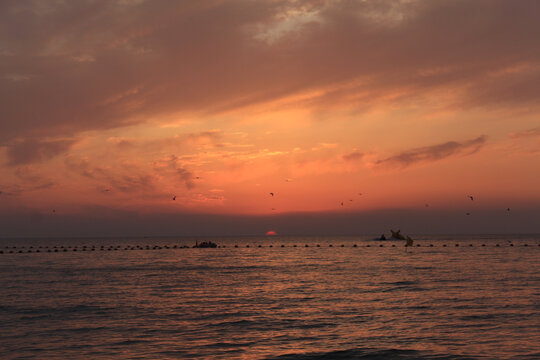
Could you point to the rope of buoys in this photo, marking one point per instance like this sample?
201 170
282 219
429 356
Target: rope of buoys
62 248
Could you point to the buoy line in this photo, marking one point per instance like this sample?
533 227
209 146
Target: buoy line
85 248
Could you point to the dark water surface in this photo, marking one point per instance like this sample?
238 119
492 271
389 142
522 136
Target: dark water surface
453 302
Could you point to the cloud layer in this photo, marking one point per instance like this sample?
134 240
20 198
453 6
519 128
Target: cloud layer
69 67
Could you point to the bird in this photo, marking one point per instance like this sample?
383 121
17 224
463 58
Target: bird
342 203
350 200
471 197
272 194
360 194
507 209
54 211
467 213
174 197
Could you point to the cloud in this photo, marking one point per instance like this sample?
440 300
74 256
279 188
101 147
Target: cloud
432 153
353 156
531 133
108 64
26 151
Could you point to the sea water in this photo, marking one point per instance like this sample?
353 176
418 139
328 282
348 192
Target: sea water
452 297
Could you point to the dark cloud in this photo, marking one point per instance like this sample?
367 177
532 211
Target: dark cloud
92 65
433 153
353 156
26 151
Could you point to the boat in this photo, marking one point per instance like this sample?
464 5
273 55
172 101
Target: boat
205 244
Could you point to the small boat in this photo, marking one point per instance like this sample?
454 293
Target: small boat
205 244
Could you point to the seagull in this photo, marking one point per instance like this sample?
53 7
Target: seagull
272 194
342 203
174 197
471 197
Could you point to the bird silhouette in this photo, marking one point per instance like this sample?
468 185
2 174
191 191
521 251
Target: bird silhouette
471 197
507 209
342 203
272 194
467 213
174 197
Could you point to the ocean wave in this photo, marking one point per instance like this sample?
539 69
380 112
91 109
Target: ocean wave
371 354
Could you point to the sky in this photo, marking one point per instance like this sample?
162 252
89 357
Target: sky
358 116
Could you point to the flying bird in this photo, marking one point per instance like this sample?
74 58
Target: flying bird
272 194
350 200
471 197
174 197
342 203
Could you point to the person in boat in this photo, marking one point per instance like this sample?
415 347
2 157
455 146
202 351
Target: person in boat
409 241
382 237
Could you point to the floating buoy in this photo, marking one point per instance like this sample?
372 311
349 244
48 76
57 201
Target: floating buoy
381 245
330 245
307 245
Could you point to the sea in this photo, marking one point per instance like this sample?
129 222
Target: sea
271 297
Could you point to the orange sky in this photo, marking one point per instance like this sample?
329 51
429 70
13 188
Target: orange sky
121 105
